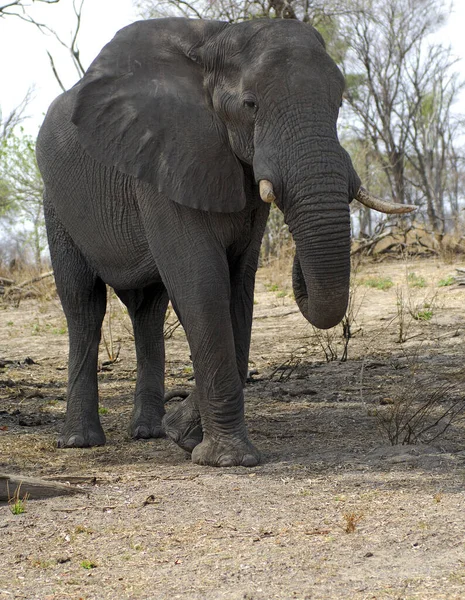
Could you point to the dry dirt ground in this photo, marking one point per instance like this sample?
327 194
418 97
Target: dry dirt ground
333 511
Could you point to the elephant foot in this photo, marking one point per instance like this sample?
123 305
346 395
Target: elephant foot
183 425
144 431
226 453
82 437
146 419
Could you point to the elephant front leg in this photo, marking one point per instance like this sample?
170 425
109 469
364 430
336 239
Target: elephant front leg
221 405
183 424
218 398
210 421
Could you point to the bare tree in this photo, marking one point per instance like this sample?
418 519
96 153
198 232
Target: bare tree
18 8
242 10
15 117
21 190
400 89
71 46
432 152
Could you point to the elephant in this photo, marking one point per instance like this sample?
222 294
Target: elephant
159 167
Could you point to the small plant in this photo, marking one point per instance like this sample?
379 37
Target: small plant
110 347
411 309
415 280
272 287
82 529
102 410
88 564
171 323
449 280
423 315
351 519
402 320
379 283
35 330
329 340
420 411
136 546
16 503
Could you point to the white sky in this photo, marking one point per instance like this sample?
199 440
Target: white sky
24 61
23 50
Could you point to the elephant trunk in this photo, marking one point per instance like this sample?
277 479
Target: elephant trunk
313 180
315 193
321 270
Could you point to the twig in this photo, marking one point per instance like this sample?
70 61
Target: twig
5 281
71 509
34 279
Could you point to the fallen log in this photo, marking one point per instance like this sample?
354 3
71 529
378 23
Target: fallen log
34 279
5 281
33 487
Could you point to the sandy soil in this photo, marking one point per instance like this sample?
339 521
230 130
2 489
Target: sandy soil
334 510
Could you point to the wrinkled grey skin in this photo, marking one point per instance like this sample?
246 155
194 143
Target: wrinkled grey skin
151 164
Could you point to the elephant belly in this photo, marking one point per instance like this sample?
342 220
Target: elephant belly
105 225
122 258
117 250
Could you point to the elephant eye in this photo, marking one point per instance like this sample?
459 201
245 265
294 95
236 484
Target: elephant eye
250 104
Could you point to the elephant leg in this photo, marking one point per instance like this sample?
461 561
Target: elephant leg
83 297
204 310
183 424
147 310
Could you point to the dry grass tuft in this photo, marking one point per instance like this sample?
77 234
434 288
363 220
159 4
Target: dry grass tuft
351 519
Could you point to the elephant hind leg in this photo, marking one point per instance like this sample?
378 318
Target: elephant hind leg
147 310
83 297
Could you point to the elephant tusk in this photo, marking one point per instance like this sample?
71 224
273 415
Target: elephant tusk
266 191
390 208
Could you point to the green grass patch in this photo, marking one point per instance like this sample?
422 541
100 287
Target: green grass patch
18 507
415 280
17 504
423 315
379 283
449 280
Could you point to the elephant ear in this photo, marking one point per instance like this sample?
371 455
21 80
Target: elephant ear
142 107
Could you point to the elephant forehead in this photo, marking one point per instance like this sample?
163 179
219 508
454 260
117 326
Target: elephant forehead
279 51
260 36
294 72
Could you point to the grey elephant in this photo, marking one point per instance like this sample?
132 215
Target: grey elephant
159 166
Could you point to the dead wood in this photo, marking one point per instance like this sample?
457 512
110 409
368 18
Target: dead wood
34 487
5 281
34 279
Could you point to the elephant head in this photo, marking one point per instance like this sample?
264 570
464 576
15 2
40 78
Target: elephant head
185 105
